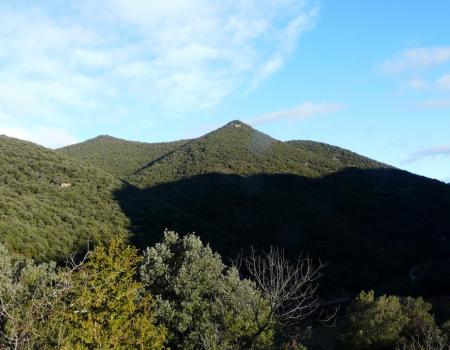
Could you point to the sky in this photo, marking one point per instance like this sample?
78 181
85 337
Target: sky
370 76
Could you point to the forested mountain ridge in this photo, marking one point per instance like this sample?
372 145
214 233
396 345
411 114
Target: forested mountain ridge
238 149
345 157
52 205
235 148
237 187
117 156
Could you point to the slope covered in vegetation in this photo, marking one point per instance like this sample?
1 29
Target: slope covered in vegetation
345 157
50 204
238 187
119 157
372 225
179 294
236 148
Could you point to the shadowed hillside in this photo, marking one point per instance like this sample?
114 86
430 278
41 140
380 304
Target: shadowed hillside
370 225
51 205
237 187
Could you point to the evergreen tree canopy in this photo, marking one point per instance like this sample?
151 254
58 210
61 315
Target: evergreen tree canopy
107 307
203 304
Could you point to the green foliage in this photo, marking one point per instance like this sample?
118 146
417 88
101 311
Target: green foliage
119 157
345 157
427 339
385 322
446 329
29 294
95 305
373 323
419 316
235 148
203 304
106 306
293 345
238 188
38 218
199 303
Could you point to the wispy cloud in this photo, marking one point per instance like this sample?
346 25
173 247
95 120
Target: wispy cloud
186 54
424 73
48 137
435 103
80 61
303 111
444 81
417 84
287 40
417 59
442 150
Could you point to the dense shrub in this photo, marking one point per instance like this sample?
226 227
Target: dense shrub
106 307
29 295
39 219
179 295
388 322
203 304
93 305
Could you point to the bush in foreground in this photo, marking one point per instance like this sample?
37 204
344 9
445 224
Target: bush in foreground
390 322
184 297
204 304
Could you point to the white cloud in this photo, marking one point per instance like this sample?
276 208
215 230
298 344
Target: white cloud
287 40
417 59
424 72
444 81
303 111
92 59
417 84
442 150
48 137
80 61
435 103
200 51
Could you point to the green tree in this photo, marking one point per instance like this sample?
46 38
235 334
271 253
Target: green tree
373 323
419 317
203 304
293 345
29 295
388 322
106 306
446 329
421 332
427 339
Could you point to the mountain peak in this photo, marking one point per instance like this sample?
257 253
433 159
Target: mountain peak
103 137
236 124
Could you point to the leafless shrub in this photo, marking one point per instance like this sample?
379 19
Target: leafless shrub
289 288
430 338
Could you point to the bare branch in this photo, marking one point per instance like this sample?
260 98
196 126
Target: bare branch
289 288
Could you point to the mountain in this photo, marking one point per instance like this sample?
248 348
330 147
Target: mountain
342 156
235 148
119 157
238 187
52 205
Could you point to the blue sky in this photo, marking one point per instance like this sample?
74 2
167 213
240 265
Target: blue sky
371 76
